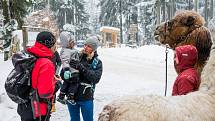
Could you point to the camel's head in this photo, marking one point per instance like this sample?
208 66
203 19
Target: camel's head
176 30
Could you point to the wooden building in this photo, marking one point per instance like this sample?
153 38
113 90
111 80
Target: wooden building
109 35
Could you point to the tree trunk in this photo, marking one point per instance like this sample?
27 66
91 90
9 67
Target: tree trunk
164 10
25 36
196 5
120 12
206 12
189 5
169 9
5 11
211 9
158 11
65 17
173 8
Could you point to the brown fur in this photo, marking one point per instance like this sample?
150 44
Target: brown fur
186 28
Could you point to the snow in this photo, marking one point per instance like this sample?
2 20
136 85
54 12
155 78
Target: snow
126 71
46 19
69 27
35 12
146 3
109 28
31 37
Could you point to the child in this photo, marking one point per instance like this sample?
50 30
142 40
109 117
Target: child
68 74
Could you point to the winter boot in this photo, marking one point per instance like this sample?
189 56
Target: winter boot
53 107
61 98
70 98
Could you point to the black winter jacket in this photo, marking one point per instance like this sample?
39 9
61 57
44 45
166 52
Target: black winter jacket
88 75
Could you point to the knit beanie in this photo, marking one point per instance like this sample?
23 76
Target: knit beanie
93 42
46 38
65 38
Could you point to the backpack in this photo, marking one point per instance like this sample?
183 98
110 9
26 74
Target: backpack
94 66
94 63
18 83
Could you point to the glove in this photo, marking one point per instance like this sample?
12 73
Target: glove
58 85
67 75
74 64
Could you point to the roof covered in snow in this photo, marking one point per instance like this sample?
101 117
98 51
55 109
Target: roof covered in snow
43 19
108 29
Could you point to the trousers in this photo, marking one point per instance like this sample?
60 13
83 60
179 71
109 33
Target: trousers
86 108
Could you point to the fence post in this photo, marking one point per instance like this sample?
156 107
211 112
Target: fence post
25 36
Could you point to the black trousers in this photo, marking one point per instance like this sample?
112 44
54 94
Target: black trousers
42 119
26 114
69 87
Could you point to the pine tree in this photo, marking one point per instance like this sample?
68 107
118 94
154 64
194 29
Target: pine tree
110 13
38 4
82 19
18 10
71 12
5 11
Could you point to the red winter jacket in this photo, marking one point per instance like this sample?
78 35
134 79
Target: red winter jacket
188 79
43 75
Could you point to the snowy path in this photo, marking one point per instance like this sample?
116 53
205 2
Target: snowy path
126 72
124 75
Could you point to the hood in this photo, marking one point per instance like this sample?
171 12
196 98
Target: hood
187 57
65 37
41 51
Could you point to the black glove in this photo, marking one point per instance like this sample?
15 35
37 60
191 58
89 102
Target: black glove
58 85
74 64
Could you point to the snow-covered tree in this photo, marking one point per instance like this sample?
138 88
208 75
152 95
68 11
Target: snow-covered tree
37 5
71 12
184 4
148 20
14 12
110 11
16 9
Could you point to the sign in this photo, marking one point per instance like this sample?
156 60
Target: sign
133 28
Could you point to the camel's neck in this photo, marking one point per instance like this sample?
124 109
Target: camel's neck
208 73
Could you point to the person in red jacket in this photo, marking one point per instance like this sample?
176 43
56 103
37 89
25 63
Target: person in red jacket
43 79
188 79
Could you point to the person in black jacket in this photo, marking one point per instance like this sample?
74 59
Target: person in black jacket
57 62
90 69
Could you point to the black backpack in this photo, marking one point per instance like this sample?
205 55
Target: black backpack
18 83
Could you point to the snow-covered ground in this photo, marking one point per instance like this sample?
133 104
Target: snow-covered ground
126 71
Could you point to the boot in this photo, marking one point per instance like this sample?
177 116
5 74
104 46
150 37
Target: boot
53 107
70 98
61 98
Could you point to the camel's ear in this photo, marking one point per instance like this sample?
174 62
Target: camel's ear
189 21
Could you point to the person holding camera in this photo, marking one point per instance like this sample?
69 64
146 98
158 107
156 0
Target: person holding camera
90 72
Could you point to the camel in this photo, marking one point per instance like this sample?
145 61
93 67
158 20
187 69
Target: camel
186 27
195 106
